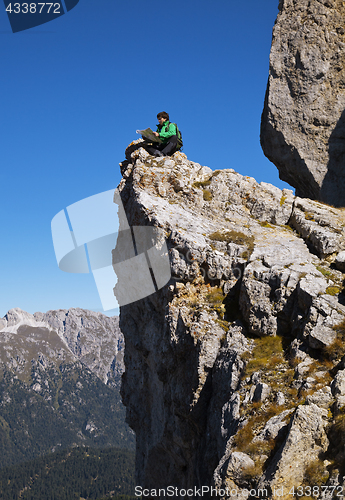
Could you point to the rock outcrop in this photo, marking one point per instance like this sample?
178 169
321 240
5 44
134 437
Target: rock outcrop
303 122
229 367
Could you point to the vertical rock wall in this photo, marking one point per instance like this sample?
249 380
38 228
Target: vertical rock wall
303 121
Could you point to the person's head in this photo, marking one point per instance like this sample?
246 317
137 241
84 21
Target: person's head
163 117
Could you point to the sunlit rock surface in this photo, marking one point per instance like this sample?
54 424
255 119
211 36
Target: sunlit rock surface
221 361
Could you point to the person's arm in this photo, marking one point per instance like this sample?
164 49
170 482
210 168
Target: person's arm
171 131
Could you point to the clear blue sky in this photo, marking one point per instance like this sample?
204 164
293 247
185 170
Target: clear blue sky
73 92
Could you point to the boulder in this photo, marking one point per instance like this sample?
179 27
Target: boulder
322 398
305 441
262 391
340 261
236 464
338 388
274 426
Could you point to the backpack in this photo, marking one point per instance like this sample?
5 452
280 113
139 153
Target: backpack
179 136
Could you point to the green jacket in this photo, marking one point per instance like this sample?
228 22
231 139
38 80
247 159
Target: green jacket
166 130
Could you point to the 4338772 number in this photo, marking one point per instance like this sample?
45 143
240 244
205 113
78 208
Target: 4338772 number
316 491
33 8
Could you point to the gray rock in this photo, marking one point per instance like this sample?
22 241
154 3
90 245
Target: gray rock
262 391
338 385
236 464
305 440
255 304
255 378
310 287
338 388
318 224
280 398
274 426
17 316
340 261
298 351
320 337
322 398
303 367
95 339
73 334
303 122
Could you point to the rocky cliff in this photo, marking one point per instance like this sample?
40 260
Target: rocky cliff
303 122
235 376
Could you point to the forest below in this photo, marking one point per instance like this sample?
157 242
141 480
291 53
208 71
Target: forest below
72 474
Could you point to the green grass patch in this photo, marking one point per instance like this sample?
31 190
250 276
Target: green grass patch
282 200
207 182
267 353
326 272
315 473
234 237
216 296
202 184
216 300
266 224
336 350
244 437
207 195
333 290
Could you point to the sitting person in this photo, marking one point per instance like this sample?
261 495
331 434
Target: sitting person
166 131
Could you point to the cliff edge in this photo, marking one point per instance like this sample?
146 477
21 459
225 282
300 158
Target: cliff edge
235 376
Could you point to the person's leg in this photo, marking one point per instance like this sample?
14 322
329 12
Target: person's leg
152 149
169 147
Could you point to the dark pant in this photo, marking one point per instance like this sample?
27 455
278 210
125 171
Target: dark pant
167 149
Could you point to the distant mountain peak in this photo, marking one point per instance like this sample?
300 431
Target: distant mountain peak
63 335
59 382
16 317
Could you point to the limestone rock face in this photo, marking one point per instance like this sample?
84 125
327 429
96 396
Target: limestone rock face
303 121
223 361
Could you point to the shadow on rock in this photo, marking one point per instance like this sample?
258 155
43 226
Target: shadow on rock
333 186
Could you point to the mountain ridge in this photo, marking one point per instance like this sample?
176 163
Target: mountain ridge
60 373
80 331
